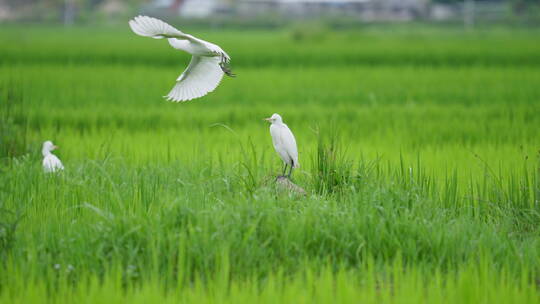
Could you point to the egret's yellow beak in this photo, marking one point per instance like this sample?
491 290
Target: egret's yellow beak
268 119
54 147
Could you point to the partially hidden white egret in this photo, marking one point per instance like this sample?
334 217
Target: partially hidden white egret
284 143
51 163
208 62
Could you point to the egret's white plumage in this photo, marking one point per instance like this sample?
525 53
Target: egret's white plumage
207 66
51 163
284 142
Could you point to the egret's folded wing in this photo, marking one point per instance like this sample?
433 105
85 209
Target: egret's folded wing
201 77
51 163
155 28
290 145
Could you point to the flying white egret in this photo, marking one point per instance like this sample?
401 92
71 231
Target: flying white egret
51 163
284 142
208 61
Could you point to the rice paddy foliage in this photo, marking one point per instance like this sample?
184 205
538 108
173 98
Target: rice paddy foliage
419 150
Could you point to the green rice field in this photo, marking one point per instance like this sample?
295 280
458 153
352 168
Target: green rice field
419 149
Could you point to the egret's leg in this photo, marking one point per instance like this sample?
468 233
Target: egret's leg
284 170
224 64
290 172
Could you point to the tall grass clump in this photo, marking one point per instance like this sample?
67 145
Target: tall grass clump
332 170
512 194
13 121
9 220
393 282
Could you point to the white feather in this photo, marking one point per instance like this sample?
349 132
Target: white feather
51 163
203 73
201 77
155 28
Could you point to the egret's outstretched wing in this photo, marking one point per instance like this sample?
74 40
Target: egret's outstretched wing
207 66
155 28
201 77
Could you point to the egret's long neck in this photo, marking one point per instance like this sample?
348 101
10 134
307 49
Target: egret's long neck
45 151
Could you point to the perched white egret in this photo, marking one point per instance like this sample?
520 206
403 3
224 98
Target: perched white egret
284 142
51 163
208 61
